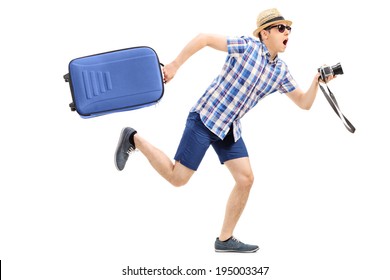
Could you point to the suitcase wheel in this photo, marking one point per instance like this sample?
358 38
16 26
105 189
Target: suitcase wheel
66 77
72 107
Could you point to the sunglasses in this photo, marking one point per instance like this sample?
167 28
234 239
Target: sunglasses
280 27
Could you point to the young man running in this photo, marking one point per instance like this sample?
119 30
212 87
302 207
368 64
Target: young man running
252 71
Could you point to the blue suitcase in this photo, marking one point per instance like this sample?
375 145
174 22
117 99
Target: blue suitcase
115 81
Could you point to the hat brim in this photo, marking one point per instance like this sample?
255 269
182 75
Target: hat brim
256 32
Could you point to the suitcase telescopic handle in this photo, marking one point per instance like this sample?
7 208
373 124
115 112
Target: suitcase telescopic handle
67 79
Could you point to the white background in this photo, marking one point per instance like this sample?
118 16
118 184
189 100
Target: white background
319 208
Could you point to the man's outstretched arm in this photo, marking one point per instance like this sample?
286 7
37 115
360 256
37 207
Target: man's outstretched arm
202 40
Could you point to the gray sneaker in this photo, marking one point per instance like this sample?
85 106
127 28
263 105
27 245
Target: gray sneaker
234 245
124 148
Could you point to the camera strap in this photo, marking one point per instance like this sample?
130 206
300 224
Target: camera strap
333 103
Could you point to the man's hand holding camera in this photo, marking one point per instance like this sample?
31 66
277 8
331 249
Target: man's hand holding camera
327 73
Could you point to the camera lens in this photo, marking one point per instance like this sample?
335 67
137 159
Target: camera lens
337 70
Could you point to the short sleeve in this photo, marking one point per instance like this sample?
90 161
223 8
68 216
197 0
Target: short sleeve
236 45
288 83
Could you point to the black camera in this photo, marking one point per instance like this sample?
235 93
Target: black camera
327 71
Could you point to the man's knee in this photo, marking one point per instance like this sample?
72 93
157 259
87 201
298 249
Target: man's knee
180 175
246 181
178 182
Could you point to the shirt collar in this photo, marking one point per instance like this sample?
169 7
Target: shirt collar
267 55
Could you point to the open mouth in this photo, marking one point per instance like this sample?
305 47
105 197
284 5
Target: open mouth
285 42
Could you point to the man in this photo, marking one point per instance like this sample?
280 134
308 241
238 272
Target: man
252 71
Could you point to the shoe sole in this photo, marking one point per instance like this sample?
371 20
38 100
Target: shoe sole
118 146
236 251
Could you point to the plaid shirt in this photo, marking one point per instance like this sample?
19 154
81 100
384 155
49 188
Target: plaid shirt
247 76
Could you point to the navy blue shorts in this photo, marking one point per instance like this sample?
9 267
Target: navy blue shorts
197 138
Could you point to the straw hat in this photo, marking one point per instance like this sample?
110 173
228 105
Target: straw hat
267 18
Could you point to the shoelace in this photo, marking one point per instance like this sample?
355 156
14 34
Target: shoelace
236 240
130 150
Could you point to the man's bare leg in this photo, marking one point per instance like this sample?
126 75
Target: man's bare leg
242 173
175 173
